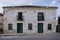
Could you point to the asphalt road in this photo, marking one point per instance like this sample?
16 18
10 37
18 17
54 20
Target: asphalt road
55 36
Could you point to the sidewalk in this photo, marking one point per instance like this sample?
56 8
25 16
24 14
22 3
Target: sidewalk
20 34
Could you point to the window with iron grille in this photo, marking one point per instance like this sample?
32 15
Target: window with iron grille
20 16
40 16
49 26
29 26
9 26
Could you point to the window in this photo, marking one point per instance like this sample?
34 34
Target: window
49 26
1 23
9 26
58 20
29 26
40 16
20 16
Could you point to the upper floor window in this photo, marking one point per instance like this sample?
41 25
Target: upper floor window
58 20
40 16
20 16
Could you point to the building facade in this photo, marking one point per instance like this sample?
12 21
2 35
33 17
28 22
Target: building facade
1 23
29 19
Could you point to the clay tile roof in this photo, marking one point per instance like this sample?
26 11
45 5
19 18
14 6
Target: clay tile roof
1 14
29 6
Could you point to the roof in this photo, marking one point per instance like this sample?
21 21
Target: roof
1 14
25 6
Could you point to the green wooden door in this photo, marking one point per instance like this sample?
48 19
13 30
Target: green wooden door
19 27
40 27
58 28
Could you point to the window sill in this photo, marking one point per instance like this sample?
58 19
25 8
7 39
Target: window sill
19 19
40 20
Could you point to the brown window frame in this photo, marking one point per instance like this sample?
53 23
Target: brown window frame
30 26
9 26
49 26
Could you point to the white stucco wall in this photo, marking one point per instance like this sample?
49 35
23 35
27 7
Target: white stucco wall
10 16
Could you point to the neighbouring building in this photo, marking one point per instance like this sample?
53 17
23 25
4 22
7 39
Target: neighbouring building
29 19
58 25
1 23
58 20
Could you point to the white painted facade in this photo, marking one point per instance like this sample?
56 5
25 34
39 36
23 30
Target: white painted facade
30 15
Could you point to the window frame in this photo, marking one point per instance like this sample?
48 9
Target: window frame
30 26
10 26
20 17
58 20
41 17
49 26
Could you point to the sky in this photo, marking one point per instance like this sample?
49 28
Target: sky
30 2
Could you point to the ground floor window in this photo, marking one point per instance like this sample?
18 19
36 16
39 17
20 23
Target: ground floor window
49 26
1 28
9 26
30 26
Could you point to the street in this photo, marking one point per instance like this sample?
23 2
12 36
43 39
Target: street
53 36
